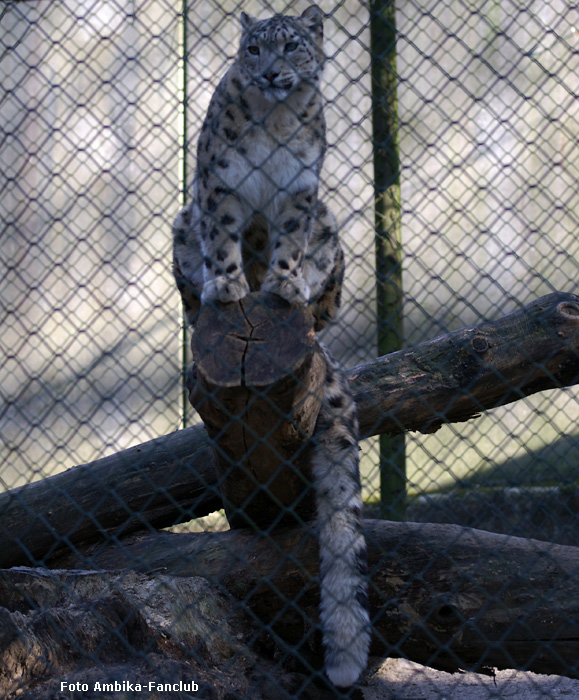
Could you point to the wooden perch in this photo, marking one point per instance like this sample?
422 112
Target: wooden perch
155 484
442 595
173 479
258 381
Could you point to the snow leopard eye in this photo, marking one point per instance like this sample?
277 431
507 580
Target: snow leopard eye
253 50
291 46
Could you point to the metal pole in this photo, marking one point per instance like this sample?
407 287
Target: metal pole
388 232
185 352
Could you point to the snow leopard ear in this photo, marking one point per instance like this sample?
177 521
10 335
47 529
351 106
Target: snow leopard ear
247 21
313 19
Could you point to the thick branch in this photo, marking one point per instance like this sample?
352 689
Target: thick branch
156 484
173 479
443 595
456 376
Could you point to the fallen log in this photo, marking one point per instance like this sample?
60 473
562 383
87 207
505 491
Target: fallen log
119 635
442 595
259 384
173 479
152 485
456 376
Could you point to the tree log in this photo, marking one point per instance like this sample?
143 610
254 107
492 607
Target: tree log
152 485
109 632
173 479
456 376
441 595
258 390
258 382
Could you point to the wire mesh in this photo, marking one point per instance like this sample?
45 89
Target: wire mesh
101 106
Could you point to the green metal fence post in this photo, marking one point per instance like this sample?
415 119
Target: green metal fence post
185 351
388 231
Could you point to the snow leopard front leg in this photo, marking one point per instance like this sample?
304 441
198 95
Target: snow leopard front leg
221 223
207 258
289 236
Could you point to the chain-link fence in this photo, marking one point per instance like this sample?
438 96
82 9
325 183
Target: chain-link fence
101 105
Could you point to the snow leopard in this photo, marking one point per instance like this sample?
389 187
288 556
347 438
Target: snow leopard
255 222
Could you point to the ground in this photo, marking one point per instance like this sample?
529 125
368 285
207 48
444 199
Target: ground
399 679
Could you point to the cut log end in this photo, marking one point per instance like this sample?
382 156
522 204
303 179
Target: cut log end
254 342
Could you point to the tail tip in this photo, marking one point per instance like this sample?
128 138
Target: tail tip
345 674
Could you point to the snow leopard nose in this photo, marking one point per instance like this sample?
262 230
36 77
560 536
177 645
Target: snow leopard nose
271 76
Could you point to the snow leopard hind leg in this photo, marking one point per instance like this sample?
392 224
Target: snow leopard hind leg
323 268
344 610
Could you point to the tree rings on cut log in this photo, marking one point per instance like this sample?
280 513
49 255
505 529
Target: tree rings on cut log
257 385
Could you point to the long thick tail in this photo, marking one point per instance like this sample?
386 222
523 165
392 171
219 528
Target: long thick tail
344 589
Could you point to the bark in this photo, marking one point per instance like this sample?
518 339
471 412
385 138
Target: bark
173 479
442 595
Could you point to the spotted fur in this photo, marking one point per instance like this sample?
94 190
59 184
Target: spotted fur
255 222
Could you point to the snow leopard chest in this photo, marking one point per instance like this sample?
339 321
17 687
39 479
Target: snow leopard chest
270 167
259 150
